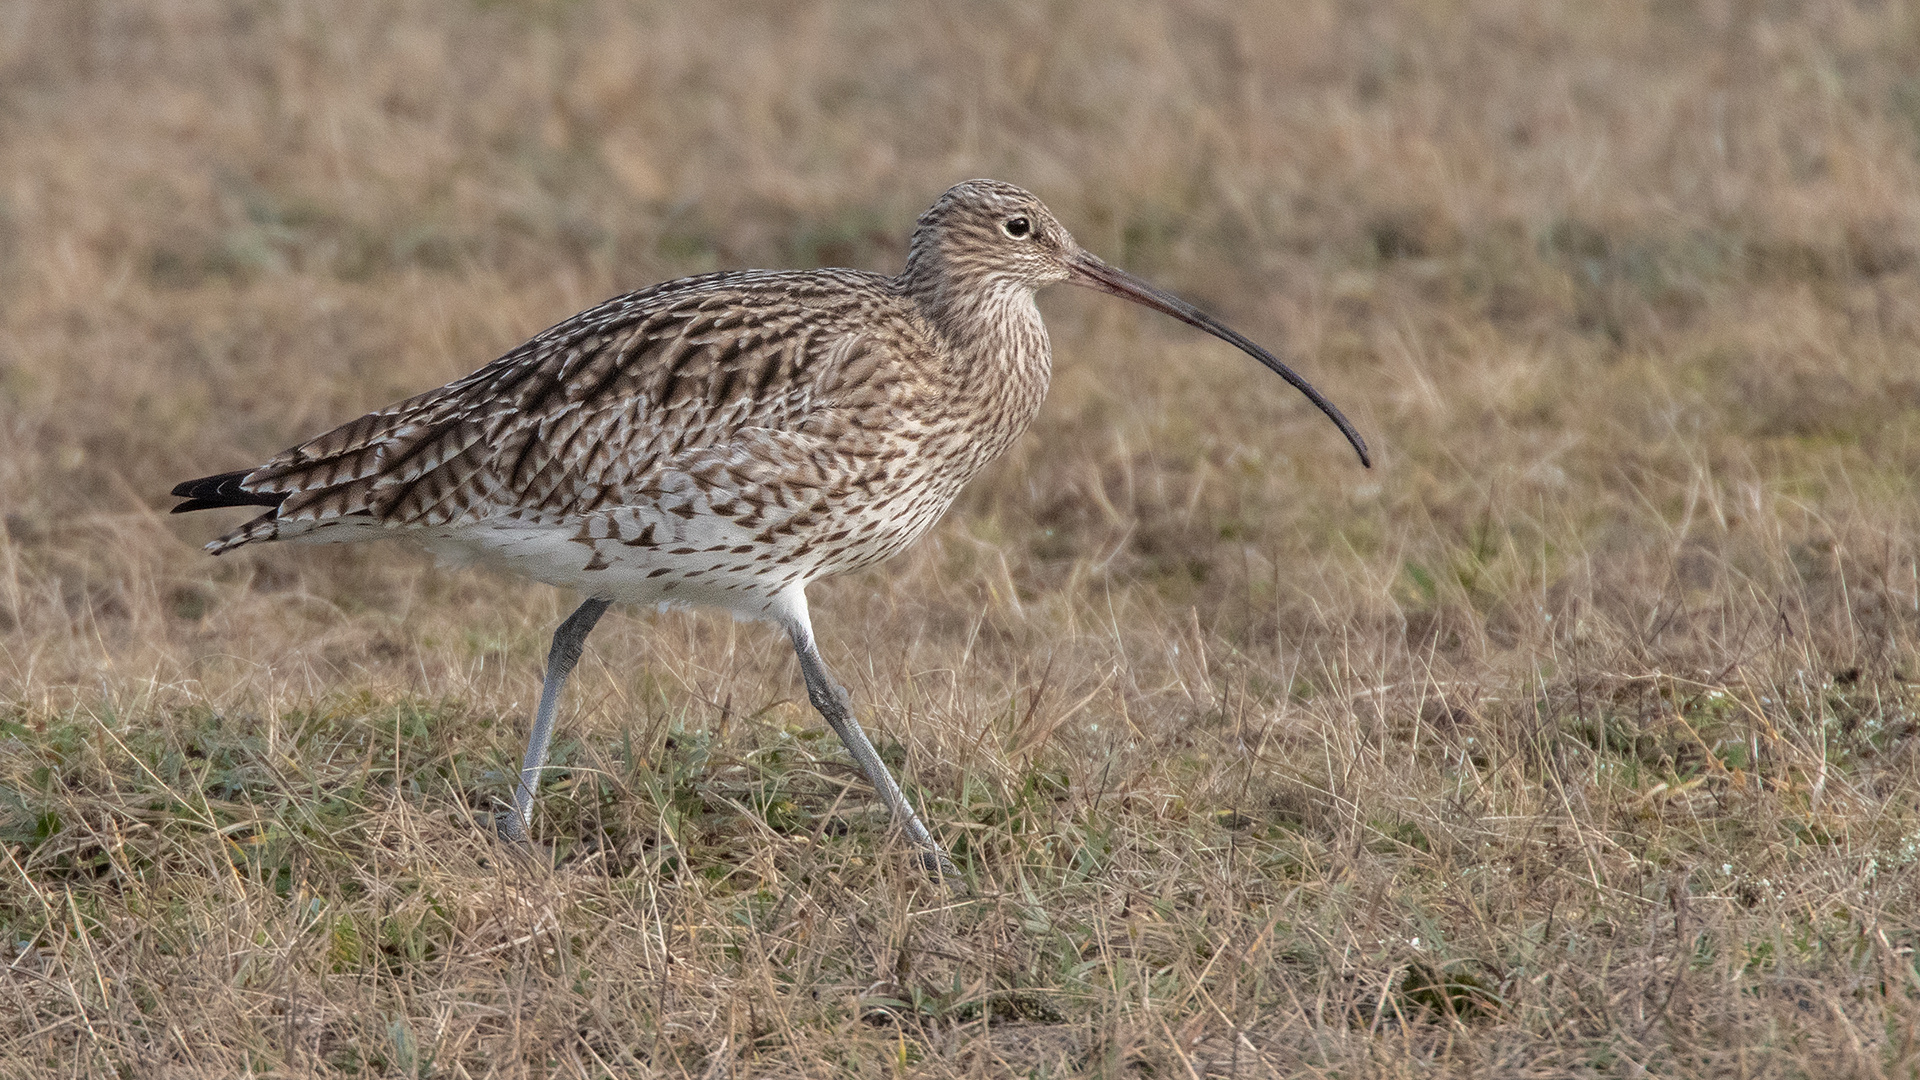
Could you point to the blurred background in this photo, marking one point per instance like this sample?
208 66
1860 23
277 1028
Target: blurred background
1623 296
1599 282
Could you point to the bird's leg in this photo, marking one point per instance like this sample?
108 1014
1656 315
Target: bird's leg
832 702
568 641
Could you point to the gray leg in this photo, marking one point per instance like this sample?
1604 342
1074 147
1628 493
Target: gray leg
828 697
568 641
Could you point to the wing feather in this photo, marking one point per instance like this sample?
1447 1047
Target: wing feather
584 414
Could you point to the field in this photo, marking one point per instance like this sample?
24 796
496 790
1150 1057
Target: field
1579 737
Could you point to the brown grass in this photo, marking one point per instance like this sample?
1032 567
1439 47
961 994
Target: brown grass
1577 738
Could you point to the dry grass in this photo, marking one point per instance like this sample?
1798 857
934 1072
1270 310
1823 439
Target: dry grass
1577 738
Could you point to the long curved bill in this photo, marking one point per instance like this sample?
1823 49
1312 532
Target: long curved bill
1094 274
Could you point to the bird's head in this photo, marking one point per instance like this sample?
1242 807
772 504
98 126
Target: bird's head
984 235
984 231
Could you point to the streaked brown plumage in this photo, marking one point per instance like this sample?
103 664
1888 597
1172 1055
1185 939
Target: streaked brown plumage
720 440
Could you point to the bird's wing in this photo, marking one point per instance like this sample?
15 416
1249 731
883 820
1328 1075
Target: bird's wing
579 417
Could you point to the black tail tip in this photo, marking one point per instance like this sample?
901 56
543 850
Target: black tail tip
223 489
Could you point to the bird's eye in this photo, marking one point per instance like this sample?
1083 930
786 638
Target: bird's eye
1016 227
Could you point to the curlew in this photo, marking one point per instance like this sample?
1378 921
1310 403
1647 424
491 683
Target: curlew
719 441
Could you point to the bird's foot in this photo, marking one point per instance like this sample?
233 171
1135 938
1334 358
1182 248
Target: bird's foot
938 866
513 834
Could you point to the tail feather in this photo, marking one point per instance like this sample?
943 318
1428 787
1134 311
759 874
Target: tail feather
260 529
228 489
224 489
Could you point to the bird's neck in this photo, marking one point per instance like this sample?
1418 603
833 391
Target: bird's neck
996 359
